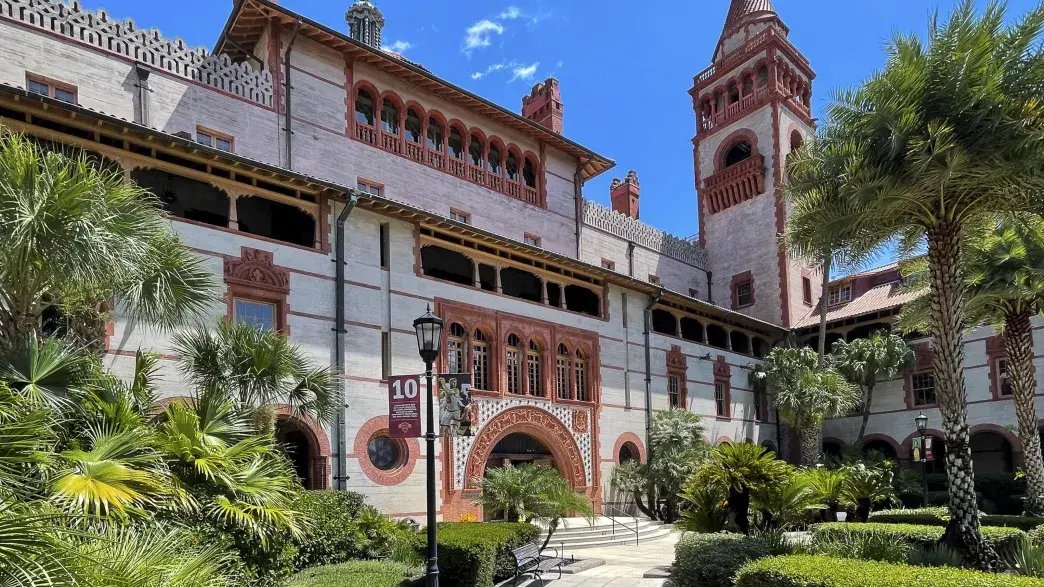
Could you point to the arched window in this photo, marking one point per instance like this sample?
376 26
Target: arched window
435 135
456 143
719 98
534 370
390 117
513 356
529 173
737 153
762 76
493 159
691 329
456 354
364 108
663 322
475 151
717 336
748 85
628 453
511 167
580 366
734 93
480 361
413 126
562 363
796 141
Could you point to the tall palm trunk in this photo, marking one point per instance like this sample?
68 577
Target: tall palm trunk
866 411
947 314
1018 339
824 298
811 444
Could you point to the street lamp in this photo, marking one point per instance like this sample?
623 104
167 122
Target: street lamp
922 426
429 341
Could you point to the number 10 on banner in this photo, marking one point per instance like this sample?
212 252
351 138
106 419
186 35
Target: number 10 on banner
404 409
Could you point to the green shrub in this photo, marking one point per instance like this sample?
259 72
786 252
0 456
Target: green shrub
258 565
342 528
919 536
711 560
940 517
874 546
821 571
935 556
478 555
1025 558
353 574
1037 535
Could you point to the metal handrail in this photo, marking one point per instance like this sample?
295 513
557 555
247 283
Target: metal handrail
610 508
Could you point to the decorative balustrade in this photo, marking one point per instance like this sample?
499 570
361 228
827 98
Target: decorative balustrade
98 29
415 151
745 105
365 133
391 142
630 229
733 185
476 174
529 194
495 182
458 167
740 55
436 159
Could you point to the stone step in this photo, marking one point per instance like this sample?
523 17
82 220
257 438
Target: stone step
603 531
619 540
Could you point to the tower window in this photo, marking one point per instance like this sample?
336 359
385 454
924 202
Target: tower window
737 153
364 108
839 294
806 290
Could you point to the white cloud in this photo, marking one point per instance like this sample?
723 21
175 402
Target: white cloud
524 72
511 13
478 35
492 68
397 47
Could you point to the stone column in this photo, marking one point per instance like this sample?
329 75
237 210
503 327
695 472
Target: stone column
475 275
233 214
499 284
543 291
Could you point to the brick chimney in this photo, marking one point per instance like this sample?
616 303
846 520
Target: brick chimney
625 195
544 105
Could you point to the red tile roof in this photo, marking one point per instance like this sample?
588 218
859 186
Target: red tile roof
740 11
878 297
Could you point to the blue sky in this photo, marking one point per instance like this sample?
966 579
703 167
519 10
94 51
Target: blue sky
625 67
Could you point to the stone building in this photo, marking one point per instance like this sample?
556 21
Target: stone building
340 189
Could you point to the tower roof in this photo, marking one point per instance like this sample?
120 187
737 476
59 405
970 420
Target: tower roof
746 12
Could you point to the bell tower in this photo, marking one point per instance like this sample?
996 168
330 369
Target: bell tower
753 107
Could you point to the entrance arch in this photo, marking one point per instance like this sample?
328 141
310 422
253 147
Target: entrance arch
306 446
535 423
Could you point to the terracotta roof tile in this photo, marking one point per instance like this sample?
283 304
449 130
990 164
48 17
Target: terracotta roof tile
881 297
739 10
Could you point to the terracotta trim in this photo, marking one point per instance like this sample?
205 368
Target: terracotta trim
628 438
677 366
738 280
781 220
254 276
409 448
723 376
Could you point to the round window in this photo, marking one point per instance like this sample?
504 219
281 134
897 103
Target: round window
384 453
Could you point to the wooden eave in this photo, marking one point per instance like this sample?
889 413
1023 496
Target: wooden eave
85 127
247 24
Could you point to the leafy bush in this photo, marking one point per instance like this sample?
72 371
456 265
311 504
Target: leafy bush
919 536
935 556
875 546
353 574
940 517
822 571
342 528
1025 558
257 564
1037 535
477 555
711 560
705 508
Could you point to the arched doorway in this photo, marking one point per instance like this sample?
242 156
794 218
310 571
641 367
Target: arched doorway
297 448
881 447
991 453
517 449
833 450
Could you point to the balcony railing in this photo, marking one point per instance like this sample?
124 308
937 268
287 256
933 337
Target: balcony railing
745 105
462 168
734 185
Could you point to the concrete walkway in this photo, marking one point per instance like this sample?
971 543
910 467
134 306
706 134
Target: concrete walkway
624 565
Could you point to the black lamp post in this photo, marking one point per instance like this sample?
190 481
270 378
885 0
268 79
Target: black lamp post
922 426
429 341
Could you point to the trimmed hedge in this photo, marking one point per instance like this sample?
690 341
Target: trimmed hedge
940 517
919 536
822 571
353 574
478 555
712 560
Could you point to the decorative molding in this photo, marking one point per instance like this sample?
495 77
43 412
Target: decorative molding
580 423
627 228
676 360
98 29
256 268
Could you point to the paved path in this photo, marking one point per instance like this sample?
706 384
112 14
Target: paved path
624 565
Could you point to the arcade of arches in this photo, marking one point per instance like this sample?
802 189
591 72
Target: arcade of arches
994 449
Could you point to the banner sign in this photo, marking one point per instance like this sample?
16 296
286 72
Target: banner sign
455 405
928 449
916 444
404 406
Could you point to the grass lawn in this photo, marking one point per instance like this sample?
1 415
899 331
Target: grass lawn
353 574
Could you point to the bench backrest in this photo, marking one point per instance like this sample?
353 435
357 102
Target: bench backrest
526 553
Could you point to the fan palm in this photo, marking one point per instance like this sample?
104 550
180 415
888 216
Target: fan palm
74 235
866 485
513 492
828 487
805 394
558 500
783 504
865 361
1003 262
952 129
254 369
741 469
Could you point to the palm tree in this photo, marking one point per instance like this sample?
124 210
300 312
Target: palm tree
254 369
74 236
828 487
952 129
866 485
814 187
865 361
805 395
558 500
741 469
1004 287
783 504
513 491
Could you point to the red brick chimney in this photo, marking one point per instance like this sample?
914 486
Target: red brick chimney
625 195
544 105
